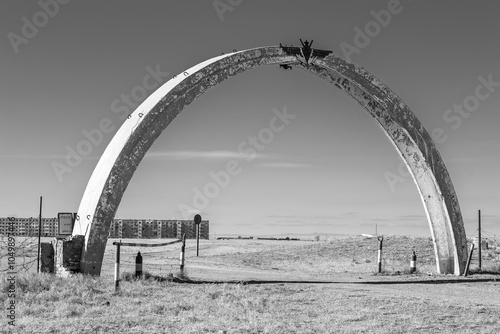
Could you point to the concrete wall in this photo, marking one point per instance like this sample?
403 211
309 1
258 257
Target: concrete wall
68 254
47 257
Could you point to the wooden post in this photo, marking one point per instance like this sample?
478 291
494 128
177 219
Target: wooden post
479 237
183 249
117 267
466 272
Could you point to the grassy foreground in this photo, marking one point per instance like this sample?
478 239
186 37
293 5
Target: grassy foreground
88 305
84 304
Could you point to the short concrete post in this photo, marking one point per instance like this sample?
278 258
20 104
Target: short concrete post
413 263
138 265
67 255
47 257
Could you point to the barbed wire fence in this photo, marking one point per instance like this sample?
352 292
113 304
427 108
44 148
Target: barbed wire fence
152 263
492 236
25 253
155 258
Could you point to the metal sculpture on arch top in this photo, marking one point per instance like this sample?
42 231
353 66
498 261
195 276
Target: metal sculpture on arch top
121 158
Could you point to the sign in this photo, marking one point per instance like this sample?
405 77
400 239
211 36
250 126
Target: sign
197 219
65 223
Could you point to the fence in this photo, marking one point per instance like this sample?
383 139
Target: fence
133 244
24 252
484 259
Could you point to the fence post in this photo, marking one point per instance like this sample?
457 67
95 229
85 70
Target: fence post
479 255
138 265
117 267
413 263
183 249
39 236
380 239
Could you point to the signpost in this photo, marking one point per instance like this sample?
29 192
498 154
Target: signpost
197 221
65 223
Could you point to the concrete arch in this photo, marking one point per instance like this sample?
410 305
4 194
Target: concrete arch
121 158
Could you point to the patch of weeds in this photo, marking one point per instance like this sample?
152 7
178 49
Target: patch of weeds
182 275
229 297
131 277
75 300
158 309
36 310
389 272
68 311
408 272
259 305
42 297
215 295
181 308
146 276
155 308
487 270
382 273
386 272
33 282
193 320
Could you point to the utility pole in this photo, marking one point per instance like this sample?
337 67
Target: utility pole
479 237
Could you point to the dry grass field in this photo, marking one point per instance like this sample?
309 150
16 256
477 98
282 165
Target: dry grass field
253 286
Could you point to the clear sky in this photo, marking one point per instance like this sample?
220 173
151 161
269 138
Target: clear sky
66 67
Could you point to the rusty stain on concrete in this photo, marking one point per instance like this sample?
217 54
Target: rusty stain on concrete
124 153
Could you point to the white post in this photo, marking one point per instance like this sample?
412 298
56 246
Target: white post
183 250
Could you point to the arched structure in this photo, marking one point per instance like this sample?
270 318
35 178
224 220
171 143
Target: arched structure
124 153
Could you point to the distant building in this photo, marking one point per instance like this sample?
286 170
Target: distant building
120 228
29 226
156 229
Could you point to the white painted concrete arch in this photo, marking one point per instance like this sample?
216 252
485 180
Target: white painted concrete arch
126 150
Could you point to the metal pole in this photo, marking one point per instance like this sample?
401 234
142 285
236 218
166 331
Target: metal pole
380 239
197 221
39 236
117 268
197 239
479 237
